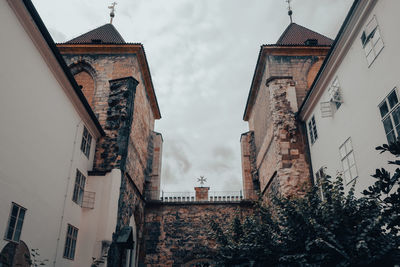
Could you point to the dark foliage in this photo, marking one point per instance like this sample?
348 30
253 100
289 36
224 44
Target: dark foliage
336 229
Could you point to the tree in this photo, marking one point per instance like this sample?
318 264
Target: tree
336 230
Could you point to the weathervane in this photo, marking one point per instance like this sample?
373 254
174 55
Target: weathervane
290 12
112 14
201 180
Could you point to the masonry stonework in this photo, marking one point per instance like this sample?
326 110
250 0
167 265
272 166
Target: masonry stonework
178 233
280 84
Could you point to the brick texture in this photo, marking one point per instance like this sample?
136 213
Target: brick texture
85 80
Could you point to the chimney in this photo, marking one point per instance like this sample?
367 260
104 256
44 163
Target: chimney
201 193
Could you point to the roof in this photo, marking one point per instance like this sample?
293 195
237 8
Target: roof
46 35
103 34
298 35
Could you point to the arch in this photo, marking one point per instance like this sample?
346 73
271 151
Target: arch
313 71
14 254
85 75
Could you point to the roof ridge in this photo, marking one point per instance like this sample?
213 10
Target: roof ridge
299 34
106 33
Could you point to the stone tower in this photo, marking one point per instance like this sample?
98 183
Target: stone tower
115 78
274 156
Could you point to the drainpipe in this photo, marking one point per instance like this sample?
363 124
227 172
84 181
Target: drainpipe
66 192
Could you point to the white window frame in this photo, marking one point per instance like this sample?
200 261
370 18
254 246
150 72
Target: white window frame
312 129
16 227
389 118
71 238
86 142
348 161
335 95
79 188
318 176
371 39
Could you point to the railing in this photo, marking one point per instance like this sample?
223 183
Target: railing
213 196
88 199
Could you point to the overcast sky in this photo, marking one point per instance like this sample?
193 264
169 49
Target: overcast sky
202 55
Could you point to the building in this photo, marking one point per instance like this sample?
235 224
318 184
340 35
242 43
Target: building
352 106
274 151
79 152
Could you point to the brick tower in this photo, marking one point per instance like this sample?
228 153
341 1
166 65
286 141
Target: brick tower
274 156
115 78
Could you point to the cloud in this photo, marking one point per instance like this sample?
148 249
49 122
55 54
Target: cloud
202 56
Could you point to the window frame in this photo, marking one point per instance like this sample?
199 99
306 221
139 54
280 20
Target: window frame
370 42
71 236
312 129
318 176
334 90
79 188
346 157
17 219
389 114
86 142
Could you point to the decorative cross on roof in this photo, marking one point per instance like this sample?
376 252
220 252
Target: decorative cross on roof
201 180
112 14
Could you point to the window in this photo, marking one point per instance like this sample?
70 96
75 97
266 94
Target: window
334 94
70 242
319 177
79 188
390 113
15 222
86 141
348 161
312 129
371 40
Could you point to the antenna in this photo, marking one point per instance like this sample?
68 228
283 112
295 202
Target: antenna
290 12
112 14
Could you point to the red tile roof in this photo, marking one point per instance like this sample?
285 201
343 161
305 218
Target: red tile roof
103 34
298 35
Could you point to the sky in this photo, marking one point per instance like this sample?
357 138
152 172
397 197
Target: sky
202 55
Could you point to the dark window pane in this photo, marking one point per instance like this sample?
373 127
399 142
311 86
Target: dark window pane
393 99
387 124
384 109
391 137
396 116
14 211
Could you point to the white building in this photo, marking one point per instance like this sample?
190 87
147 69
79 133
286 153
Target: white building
353 104
48 133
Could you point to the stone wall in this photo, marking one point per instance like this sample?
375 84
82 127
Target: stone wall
295 66
178 233
250 177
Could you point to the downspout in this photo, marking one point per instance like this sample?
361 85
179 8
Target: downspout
307 150
66 193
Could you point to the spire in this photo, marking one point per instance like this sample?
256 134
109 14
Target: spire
290 12
112 14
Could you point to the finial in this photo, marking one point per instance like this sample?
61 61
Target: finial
290 12
201 180
112 14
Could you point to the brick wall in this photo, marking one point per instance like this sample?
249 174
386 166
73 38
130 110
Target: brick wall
84 79
177 233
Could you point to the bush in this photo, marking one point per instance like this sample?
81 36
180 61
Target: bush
337 229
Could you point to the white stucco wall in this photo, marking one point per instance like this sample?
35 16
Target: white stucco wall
363 88
40 138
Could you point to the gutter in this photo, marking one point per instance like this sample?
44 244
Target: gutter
47 37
